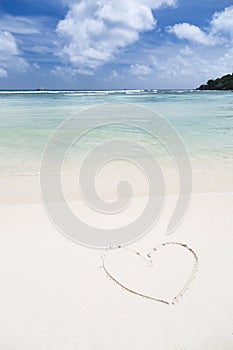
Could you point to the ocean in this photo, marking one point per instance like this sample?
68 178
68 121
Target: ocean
203 119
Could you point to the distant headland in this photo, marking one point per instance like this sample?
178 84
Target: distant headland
223 83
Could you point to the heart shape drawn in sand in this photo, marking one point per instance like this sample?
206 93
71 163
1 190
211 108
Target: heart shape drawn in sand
162 275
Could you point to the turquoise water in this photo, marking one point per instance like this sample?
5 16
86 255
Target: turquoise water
204 119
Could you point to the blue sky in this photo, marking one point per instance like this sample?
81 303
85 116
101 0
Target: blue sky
109 44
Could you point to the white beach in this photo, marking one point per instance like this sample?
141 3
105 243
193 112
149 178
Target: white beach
56 295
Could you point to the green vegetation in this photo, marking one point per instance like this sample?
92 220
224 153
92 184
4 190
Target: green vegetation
224 83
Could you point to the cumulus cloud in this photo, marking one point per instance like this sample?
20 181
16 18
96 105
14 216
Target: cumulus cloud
192 33
10 54
8 44
94 31
220 25
20 35
223 21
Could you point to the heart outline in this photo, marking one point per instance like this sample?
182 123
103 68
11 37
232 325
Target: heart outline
179 295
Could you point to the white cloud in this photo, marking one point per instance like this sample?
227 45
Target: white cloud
66 71
140 69
8 44
192 33
183 67
20 35
61 71
19 64
186 51
21 24
3 73
220 25
198 63
114 74
10 54
223 21
94 31
35 65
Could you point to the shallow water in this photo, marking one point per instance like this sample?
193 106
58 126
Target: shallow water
204 120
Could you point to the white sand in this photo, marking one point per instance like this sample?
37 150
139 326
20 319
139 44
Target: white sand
56 296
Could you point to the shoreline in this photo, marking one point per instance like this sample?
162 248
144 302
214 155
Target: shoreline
18 189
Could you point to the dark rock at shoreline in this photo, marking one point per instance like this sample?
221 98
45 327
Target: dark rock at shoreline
223 83
203 87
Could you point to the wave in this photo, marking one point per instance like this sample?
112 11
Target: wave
81 92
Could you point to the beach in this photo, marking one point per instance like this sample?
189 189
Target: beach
69 296
57 290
